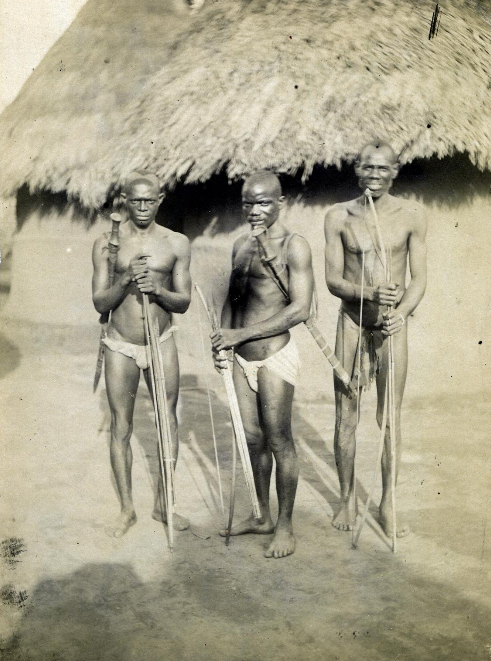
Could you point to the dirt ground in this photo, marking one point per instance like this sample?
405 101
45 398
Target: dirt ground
69 592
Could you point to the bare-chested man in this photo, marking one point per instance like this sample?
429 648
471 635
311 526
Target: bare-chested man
256 320
349 231
155 261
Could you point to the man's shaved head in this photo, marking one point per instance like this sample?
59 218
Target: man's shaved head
141 177
142 197
376 167
377 145
266 179
262 198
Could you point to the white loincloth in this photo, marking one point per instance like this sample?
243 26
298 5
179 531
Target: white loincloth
285 363
136 351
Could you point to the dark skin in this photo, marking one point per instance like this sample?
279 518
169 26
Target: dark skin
403 227
255 322
155 261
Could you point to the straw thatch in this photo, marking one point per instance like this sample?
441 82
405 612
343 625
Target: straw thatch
68 115
281 84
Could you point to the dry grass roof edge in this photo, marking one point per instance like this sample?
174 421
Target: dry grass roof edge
246 85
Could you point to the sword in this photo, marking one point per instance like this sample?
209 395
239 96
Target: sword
268 261
113 247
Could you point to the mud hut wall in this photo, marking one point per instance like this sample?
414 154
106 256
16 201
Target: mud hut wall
51 269
7 224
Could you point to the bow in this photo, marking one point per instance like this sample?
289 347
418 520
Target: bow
113 247
240 438
159 395
389 397
358 388
212 420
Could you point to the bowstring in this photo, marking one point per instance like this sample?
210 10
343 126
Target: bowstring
361 321
210 408
359 336
358 398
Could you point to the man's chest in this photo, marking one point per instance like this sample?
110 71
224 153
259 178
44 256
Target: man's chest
160 257
360 234
249 262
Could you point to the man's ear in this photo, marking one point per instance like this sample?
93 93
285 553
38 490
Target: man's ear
122 195
395 169
161 197
281 200
357 168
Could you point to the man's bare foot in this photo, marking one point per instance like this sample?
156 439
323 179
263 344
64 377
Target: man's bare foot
385 520
179 523
253 526
346 516
283 543
124 522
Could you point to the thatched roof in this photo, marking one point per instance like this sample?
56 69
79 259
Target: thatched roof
281 84
67 117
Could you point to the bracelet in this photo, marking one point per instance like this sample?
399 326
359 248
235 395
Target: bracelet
403 320
354 291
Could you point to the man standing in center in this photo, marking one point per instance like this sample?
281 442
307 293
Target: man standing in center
255 322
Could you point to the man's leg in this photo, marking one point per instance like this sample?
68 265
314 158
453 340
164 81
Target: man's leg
170 362
276 397
345 429
400 371
260 454
122 377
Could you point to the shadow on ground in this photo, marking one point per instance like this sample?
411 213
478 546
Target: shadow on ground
132 600
11 356
317 462
210 611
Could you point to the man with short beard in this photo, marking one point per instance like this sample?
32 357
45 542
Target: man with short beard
348 236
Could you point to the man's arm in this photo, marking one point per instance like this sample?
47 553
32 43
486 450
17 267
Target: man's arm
226 318
107 298
417 268
227 312
179 298
383 294
300 293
